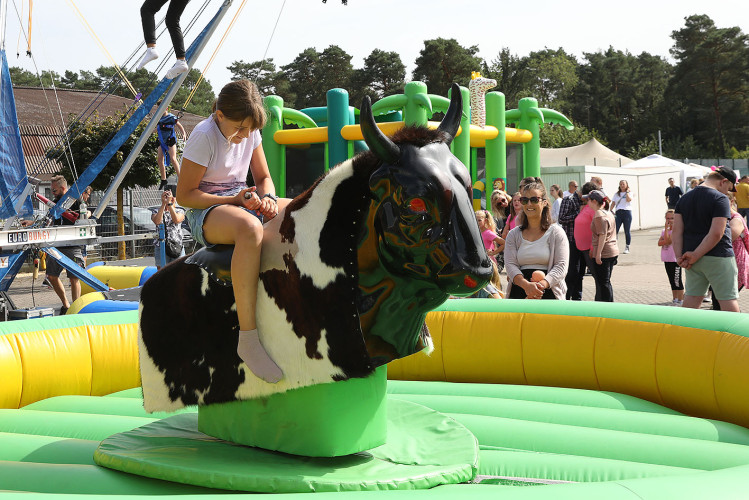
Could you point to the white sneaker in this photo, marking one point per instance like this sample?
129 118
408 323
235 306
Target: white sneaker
677 302
626 249
149 56
179 67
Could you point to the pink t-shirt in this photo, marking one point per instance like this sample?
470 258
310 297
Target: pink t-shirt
667 251
489 236
740 251
583 234
511 222
227 164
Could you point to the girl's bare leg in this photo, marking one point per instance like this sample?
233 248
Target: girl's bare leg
173 157
231 225
160 161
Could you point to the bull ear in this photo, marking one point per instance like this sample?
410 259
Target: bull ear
380 144
451 121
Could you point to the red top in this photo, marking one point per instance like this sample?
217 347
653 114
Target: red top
583 234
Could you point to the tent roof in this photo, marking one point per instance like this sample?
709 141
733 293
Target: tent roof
589 153
656 160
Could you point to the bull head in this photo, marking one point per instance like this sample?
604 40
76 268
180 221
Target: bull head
421 242
425 219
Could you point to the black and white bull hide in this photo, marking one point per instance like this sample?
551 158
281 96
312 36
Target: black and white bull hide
348 272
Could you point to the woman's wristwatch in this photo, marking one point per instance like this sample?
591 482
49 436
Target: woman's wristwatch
271 196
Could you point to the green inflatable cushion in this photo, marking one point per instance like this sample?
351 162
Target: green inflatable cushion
424 449
325 420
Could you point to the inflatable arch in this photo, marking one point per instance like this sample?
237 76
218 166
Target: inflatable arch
595 394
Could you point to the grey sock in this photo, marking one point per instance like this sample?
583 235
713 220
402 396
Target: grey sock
256 357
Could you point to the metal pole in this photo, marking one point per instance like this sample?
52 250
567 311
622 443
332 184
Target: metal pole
660 144
132 224
157 115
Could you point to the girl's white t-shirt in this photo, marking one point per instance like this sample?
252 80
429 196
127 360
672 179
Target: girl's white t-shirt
227 164
620 201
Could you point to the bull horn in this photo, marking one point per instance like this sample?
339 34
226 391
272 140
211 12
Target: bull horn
380 144
451 121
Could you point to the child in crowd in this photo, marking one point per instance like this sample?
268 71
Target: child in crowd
492 242
669 260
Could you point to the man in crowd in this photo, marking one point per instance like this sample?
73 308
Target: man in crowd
568 211
571 188
742 196
702 241
75 253
673 194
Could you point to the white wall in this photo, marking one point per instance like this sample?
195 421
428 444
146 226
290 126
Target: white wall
647 184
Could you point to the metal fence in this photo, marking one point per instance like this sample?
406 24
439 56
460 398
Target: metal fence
740 165
138 206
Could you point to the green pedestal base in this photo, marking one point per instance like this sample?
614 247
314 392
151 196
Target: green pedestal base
325 420
424 449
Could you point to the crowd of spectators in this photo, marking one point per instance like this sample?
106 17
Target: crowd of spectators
547 241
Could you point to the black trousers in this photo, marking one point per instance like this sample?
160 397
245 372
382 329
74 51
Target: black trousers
148 17
518 293
602 276
575 273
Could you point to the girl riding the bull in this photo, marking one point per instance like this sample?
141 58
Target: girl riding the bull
222 210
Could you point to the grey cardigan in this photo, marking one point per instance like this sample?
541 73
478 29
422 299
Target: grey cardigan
558 261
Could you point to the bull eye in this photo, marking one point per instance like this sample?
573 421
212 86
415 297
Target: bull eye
417 205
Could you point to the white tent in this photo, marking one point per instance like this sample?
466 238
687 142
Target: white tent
655 160
589 153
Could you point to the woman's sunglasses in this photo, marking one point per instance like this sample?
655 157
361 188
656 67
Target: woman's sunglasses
533 199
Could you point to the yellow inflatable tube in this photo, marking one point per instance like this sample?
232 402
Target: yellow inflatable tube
696 362
119 277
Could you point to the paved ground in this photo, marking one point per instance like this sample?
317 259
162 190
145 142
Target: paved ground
638 278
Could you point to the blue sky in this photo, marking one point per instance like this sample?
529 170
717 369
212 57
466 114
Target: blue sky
60 41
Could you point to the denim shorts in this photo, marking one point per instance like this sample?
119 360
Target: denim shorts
196 218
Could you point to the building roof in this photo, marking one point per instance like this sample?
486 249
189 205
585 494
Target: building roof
39 120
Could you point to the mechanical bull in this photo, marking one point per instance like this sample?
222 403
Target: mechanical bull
348 272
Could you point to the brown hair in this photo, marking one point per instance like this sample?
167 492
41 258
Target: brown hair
240 100
619 189
527 180
546 221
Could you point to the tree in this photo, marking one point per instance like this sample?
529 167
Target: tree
300 74
311 74
511 73
25 78
334 70
86 145
556 136
268 79
605 95
384 72
709 86
551 78
443 62
202 100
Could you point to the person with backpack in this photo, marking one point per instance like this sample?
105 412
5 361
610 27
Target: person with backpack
167 153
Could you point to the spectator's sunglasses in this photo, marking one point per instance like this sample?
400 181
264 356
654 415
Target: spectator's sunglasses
533 199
